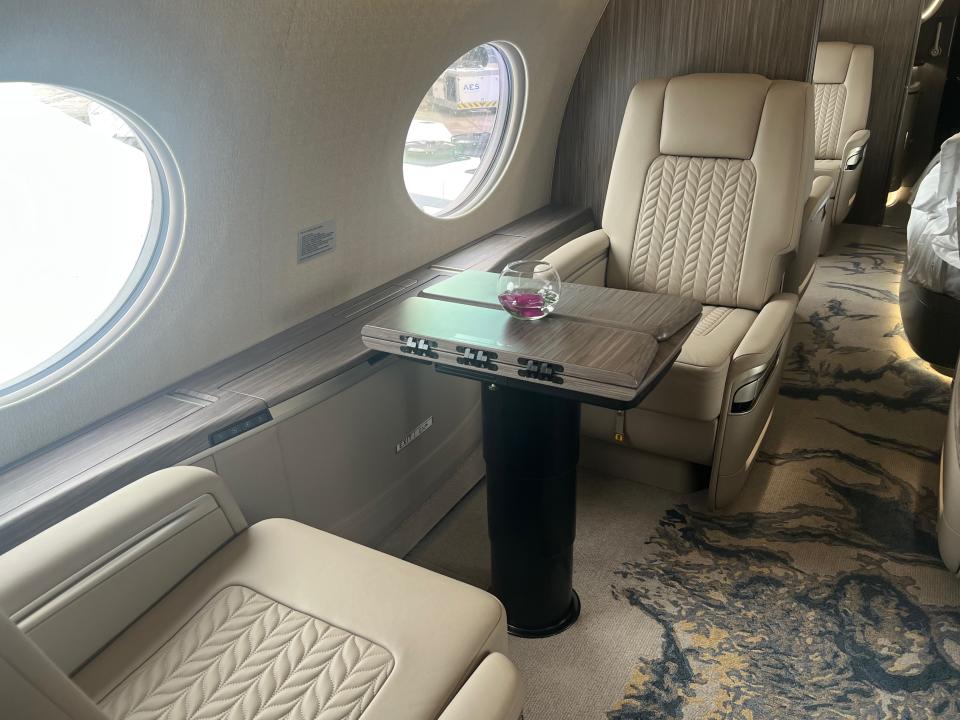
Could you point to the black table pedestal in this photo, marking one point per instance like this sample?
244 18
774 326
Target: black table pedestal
531 444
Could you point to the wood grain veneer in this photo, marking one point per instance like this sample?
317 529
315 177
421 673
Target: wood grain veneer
891 26
641 39
517 240
655 314
605 339
321 358
47 495
588 351
166 429
33 475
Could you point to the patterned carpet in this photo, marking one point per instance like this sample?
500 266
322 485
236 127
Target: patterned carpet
820 594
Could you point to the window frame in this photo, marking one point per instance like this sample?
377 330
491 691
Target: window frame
505 132
161 247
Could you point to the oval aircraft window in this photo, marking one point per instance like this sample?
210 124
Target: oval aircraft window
78 226
463 131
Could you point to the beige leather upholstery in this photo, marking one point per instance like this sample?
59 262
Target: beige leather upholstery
579 256
706 198
843 77
692 231
729 99
62 586
493 691
830 169
295 662
812 237
282 621
694 387
699 245
32 687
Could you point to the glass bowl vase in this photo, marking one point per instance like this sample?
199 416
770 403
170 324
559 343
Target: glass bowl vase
529 289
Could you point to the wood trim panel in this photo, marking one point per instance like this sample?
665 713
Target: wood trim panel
652 313
892 27
516 241
45 499
322 357
174 425
33 476
608 341
641 39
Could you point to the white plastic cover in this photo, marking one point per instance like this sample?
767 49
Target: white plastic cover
933 257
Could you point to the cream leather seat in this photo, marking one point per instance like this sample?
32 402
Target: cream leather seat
843 78
282 621
709 181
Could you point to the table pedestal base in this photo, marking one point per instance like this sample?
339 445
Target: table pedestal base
531 444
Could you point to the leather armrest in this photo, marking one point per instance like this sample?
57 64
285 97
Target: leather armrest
820 193
804 260
854 149
579 253
76 585
762 340
493 692
32 687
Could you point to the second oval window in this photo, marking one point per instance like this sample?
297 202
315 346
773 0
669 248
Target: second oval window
463 131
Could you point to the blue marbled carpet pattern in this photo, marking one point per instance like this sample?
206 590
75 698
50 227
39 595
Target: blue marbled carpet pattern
820 594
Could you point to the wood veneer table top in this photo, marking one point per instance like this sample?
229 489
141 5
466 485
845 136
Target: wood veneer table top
655 314
587 351
604 345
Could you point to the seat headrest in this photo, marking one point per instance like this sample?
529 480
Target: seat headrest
832 63
713 115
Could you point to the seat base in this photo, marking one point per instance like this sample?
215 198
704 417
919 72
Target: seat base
614 460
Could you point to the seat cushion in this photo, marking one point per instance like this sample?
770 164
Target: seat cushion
287 621
693 388
830 168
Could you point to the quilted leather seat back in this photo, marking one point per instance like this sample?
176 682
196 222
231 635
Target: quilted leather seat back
843 78
707 188
829 102
693 228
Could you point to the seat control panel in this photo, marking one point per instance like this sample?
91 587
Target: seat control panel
476 358
240 427
420 347
541 370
